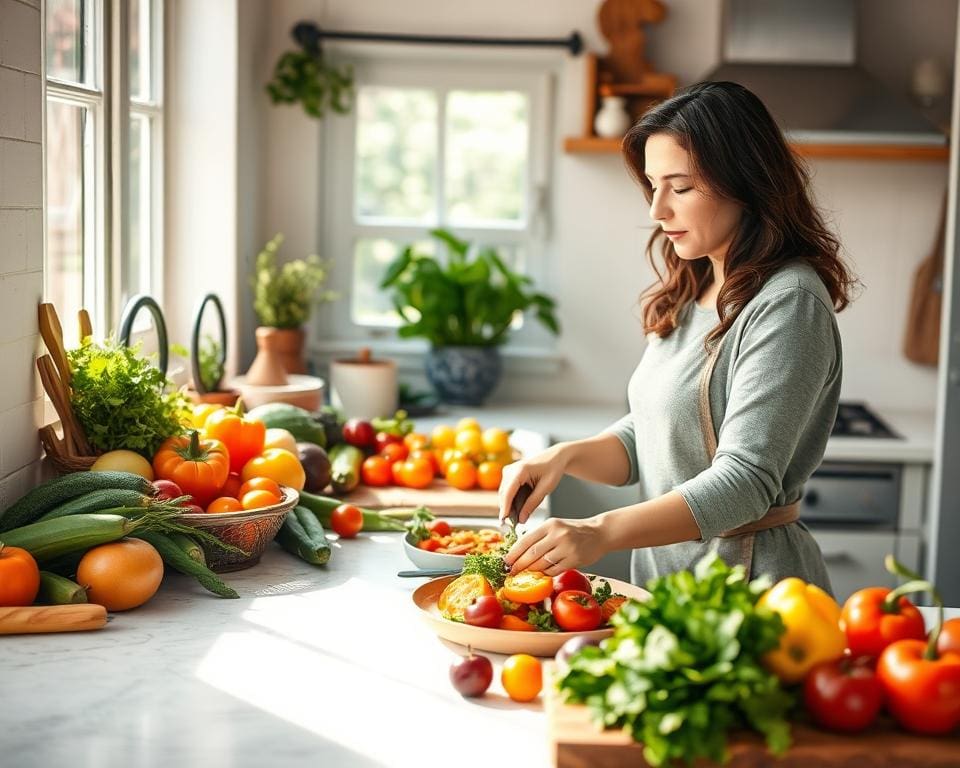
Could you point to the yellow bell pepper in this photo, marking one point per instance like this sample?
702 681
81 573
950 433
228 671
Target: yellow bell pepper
813 632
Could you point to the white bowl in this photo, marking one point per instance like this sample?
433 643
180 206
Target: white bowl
303 391
424 559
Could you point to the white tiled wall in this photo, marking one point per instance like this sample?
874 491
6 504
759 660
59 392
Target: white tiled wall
21 243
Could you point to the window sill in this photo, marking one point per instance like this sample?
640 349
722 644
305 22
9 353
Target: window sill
410 355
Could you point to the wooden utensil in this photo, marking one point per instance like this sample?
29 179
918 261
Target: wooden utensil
52 334
35 619
86 327
73 435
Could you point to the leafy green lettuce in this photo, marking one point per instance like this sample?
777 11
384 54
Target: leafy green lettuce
683 668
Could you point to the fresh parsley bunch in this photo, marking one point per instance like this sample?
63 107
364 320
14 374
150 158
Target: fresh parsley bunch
683 668
119 398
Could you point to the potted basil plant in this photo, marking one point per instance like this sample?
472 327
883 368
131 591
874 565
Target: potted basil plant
464 306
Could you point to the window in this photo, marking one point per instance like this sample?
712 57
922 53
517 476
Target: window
460 147
103 156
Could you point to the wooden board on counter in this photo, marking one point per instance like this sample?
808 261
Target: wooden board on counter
576 743
442 498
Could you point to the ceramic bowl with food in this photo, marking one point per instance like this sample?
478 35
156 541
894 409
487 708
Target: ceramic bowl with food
450 561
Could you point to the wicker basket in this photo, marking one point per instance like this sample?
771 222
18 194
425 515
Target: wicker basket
250 530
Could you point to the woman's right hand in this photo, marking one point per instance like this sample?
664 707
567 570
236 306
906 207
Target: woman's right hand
541 472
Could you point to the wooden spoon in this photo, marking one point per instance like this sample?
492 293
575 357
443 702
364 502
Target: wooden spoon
86 327
52 333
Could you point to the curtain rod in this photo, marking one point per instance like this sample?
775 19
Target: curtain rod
309 35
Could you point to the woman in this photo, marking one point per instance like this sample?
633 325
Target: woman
735 395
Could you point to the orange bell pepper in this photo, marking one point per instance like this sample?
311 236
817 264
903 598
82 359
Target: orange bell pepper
243 437
199 467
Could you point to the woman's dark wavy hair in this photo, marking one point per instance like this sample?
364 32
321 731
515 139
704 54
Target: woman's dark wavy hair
739 153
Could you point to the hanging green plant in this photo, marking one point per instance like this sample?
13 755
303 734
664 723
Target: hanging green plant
305 76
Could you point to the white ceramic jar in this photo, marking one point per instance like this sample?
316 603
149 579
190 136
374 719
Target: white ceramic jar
612 120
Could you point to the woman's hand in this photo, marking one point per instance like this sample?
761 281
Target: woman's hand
556 545
541 472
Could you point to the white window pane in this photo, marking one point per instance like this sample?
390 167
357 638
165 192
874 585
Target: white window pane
71 43
486 157
137 260
68 177
142 38
369 304
396 156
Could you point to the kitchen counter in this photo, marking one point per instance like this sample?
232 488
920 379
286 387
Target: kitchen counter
311 666
570 421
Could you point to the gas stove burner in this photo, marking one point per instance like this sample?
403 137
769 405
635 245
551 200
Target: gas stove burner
857 420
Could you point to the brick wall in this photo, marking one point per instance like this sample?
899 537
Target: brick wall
21 243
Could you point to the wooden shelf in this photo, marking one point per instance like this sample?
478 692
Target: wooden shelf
596 145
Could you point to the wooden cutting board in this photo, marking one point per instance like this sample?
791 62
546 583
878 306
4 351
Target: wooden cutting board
576 743
443 499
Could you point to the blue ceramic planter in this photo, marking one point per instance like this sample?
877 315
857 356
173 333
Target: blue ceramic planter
464 375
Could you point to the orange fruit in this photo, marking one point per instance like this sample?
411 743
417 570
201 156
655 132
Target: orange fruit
259 498
260 484
121 575
522 677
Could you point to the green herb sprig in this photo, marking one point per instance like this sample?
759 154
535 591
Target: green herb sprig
683 668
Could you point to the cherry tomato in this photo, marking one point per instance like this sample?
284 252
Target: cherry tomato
394 452
375 471
224 504
439 527
417 473
415 441
232 486
427 455
460 593
428 545
359 433
484 611
462 474
346 520
571 579
396 472
576 611
260 484
383 439
522 677
843 695
259 498
949 639
472 674
528 587
489 475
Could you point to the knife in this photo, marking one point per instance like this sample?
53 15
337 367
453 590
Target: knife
512 520
428 573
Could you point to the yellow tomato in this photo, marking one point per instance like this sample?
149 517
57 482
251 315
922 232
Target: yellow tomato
202 412
277 464
123 461
469 441
280 438
462 474
495 440
489 475
442 437
468 423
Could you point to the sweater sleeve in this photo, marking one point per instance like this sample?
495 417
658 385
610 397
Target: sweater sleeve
788 353
624 429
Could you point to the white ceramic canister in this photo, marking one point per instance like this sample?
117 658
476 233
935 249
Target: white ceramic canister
363 387
612 120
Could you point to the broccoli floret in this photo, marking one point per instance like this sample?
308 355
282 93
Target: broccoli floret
490 565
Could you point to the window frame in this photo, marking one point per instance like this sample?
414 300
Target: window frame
333 328
106 234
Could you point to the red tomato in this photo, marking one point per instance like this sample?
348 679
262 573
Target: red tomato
843 695
428 545
425 454
375 471
576 611
359 433
484 611
394 452
167 489
383 439
923 695
346 520
396 472
949 639
439 527
571 579
870 626
19 577
417 473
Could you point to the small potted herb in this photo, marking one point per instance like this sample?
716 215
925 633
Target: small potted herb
464 306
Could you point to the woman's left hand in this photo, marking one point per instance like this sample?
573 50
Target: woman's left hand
557 545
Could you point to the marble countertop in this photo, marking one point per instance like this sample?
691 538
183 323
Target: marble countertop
325 666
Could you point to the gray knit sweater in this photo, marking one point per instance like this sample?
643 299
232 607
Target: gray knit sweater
773 396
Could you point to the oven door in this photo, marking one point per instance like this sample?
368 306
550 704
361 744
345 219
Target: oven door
843 495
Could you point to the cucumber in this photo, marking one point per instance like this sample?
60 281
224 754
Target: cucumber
58 590
190 546
55 492
180 561
345 461
50 539
299 422
323 506
303 536
97 501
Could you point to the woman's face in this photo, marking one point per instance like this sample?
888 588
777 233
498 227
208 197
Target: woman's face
698 222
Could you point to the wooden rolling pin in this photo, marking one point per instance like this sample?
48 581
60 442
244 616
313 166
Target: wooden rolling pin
34 619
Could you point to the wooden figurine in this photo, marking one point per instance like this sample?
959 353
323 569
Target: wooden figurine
622 24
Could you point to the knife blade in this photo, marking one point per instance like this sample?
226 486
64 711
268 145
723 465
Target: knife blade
512 520
428 573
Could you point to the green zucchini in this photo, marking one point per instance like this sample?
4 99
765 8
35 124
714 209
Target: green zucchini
303 536
58 590
190 546
50 539
97 501
323 506
180 561
345 461
297 421
37 502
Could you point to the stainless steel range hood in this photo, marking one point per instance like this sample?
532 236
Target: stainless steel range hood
800 59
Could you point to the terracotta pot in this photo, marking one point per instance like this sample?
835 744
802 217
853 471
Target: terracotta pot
289 348
267 368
